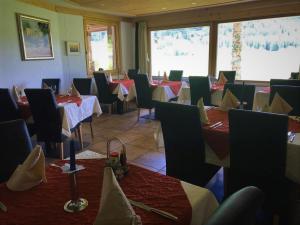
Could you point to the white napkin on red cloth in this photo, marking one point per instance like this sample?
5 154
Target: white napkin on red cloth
30 173
109 78
16 93
229 101
115 208
126 76
279 105
165 78
203 114
222 79
74 91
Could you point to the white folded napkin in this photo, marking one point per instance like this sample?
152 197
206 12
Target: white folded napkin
279 105
109 79
74 91
114 206
229 101
30 173
16 93
126 76
45 86
222 79
203 114
165 78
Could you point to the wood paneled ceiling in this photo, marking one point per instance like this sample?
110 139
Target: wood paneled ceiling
134 8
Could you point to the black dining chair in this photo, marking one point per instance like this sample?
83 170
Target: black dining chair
284 82
291 94
240 208
132 72
244 93
295 75
104 94
229 75
175 75
200 88
53 83
16 146
84 87
143 94
258 146
184 144
47 117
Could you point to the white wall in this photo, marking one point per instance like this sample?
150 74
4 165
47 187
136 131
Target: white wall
127 45
24 74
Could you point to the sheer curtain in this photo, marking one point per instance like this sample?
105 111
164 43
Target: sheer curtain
143 48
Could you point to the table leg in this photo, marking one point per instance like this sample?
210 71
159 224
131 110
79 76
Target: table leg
80 136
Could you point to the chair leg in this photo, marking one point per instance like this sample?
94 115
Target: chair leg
110 109
92 132
138 117
150 111
60 146
80 136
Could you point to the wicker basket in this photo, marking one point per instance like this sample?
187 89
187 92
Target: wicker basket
119 163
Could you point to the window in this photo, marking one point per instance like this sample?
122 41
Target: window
184 49
101 47
260 49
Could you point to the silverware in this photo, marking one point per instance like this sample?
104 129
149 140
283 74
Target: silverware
54 165
291 136
3 207
215 124
154 210
219 125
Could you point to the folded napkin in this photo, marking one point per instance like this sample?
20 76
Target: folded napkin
109 78
165 78
203 115
16 93
30 173
114 206
74 91
45 86
229 101
126 76
222 79
279 105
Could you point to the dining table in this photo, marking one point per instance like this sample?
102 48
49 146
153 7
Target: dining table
44 204
217 149
122 88
73 110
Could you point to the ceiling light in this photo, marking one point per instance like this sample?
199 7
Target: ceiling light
164 8
194 3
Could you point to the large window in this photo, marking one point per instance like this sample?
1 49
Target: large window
184 49
260 49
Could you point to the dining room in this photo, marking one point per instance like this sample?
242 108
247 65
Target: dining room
150 112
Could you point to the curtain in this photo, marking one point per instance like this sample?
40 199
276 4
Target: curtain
143 48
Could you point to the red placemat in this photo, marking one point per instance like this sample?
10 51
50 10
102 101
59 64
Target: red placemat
174 85
44 203
216 87
115 83
68 99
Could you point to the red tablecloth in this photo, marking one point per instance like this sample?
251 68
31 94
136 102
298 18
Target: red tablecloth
174 85
115 83
216 87
43 204
218 138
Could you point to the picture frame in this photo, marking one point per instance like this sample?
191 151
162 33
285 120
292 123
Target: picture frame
35 37
73 47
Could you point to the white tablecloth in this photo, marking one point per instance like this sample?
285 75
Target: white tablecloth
120 90
73 114
203 202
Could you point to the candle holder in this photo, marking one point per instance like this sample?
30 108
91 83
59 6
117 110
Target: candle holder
76 204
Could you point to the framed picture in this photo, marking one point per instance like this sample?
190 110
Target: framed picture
73 48
35 38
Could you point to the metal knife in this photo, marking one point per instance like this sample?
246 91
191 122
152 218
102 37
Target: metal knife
154 210
3 207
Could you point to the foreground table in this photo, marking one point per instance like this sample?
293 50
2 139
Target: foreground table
44 203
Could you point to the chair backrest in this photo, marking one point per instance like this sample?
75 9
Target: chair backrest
258 143
53 83
83 85
16 146
175 75
284 82
230 75
291 94
104 94
46 114
132 72
143 91
184 145
8 107
244 93
238 209
295 75
199 87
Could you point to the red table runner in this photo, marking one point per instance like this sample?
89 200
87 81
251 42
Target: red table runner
218 138
44 203
115 83
69 99
174 85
